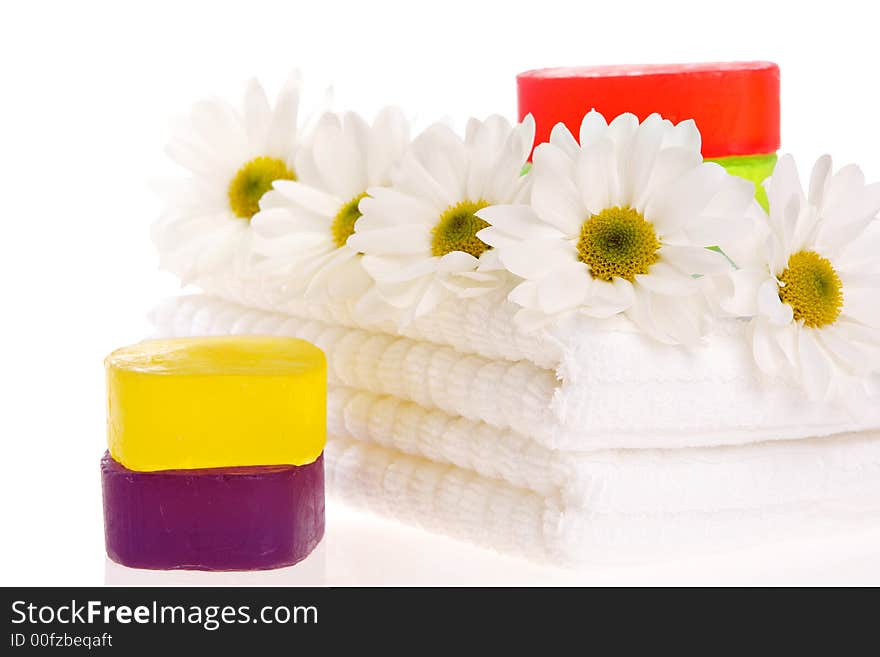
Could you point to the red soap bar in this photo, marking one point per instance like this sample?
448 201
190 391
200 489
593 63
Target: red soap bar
735 105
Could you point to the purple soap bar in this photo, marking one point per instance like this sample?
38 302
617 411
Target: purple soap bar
245 518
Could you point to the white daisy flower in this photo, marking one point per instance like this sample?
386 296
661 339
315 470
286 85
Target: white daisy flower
233 157
813 284
618 224
304 226
419 236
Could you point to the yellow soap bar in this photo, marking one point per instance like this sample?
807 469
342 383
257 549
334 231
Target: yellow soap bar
187 403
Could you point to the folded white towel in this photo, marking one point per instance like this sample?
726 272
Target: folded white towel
615 390
483 325
501 393
415 439
615 481
461 503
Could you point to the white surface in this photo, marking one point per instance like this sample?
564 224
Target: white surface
88 91
362 550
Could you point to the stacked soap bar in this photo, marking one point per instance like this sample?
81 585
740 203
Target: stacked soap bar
734 104
215 453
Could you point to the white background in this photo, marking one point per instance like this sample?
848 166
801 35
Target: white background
87 93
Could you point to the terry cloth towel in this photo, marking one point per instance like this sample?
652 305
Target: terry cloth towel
450 500
404 448
616 389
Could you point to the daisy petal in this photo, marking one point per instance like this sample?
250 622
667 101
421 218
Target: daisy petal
670 321
667 280
348 280
535 259
685 135
645 149
553 160
768 354
676 320
388 140
593 128
858 359
843 224
457 261
278 222
609 299
518 220
819 180
530 321
557 203
685 199
389 269
339 161
282 131
771 306
215 123
622 129
695 259
743 300
814 365
669 165
861 254
307 197
843 185
863 305
384 207
561 137
596 175
403 238
783 184
498 239
563 288
257 113
525 294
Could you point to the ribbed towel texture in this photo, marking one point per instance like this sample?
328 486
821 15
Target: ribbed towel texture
626 392
451 500
523 452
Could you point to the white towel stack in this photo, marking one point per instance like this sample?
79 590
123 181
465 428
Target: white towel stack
584 442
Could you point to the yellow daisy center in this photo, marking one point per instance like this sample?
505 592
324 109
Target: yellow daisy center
618 242
457 230
812 288
252 181
343 223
